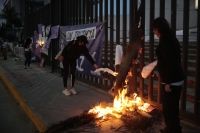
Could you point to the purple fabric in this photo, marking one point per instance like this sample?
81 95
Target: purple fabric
40 28
37 51
54 35
94 46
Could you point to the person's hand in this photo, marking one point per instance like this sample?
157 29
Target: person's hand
61 58
95 65
115 74
140 50
167 88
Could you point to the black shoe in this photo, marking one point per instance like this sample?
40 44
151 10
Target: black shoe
177 130
161 130
171 130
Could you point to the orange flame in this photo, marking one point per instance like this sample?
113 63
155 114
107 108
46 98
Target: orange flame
121 105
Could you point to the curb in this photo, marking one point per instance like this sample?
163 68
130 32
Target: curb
22 102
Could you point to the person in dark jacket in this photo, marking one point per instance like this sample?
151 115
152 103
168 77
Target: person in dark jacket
172 77
5 49
71 53
28 52
1 45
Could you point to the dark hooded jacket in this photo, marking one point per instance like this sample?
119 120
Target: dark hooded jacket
169 61
72 52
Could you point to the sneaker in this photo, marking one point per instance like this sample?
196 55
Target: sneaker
66 92
73 91
25 67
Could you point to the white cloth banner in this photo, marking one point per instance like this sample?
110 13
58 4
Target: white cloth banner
73 34
118 54
148 69
105 70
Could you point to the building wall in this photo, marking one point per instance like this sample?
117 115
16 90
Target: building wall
1 8
179 25
14 3
179 21
47 2
180 11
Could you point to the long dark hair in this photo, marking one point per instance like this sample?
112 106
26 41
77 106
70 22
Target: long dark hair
28 42
163 28
83 39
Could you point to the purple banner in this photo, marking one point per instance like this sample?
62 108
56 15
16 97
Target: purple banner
54 32
48 43
35 37
95 34
40 28
37 52
54 35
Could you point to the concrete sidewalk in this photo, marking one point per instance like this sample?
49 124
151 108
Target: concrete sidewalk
39 92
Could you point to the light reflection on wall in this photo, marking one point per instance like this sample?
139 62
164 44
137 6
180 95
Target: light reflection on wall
196 4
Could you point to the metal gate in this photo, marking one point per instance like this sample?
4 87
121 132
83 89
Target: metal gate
119 17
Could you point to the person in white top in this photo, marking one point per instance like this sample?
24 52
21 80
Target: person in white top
28 52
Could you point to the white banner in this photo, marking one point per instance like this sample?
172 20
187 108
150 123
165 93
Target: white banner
90 33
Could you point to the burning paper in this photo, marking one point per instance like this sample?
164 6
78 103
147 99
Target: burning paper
121 105
106 70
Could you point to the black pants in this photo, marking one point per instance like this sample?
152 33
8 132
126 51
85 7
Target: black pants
5 52
28 58
66 64
170 101
1 49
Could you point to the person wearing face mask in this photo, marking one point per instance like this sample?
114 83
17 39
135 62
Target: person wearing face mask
171 73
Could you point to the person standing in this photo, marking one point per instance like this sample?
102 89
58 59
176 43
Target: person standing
28 52
70 54
1 45
5 49
171 73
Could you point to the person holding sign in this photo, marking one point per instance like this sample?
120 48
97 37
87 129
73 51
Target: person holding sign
70 54
171 73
